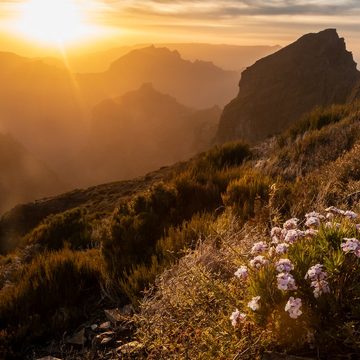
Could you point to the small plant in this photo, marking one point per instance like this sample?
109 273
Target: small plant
304 282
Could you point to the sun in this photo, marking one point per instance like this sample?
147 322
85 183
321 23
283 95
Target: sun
52 22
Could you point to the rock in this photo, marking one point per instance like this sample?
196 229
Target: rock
104 326
106 340
113 315
316 70
78 338
94 327
49 357
130 348
106 334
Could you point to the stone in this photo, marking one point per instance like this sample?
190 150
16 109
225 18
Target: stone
113 315
94 327
106 340
49 357
130 348
78 338
104 326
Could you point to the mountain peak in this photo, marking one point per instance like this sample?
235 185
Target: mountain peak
316 70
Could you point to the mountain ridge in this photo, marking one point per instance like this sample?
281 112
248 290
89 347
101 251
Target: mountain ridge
315 70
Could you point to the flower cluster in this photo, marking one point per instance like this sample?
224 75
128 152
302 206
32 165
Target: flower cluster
258 262
318 279
259 248
284 265
293 307
333 211
237 318
254 303
273 255
282 248
242 272
285 281
351 246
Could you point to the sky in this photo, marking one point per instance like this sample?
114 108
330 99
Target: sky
242 22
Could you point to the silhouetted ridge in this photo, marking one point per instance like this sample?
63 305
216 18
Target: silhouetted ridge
316 70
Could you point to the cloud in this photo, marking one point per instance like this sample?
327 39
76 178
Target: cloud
235 8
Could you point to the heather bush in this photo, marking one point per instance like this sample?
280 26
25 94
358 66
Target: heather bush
52 294
71 228
242 194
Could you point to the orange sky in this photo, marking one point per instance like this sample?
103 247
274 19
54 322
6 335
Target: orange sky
109 23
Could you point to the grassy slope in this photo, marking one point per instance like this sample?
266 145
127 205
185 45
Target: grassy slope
308 168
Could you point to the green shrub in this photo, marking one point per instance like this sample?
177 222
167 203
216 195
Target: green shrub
316 120
243 193
70 227
231 154
328 305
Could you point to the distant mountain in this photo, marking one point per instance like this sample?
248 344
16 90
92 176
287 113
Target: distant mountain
277 90
144 130
41 106
228 57
196 84
22 177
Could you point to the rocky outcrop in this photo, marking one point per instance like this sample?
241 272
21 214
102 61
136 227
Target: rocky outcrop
277 90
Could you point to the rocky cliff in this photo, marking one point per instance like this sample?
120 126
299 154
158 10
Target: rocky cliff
277 90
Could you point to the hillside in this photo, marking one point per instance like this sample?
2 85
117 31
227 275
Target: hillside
210 209
197 84
277 90
142 131
23 178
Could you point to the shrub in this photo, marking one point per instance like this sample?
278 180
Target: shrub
242 194
228 155
70 227
316 120
317 267
51 296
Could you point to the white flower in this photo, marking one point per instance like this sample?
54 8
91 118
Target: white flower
293 235
320 287
259 248
258 262
286 281
314 214
351 246
291 224
351 215
312 221
335 211
318 279
237 317
284 266
282 248
242 272
316 273
293 307
254 303
330 216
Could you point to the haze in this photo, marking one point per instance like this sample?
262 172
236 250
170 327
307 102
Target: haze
89 87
